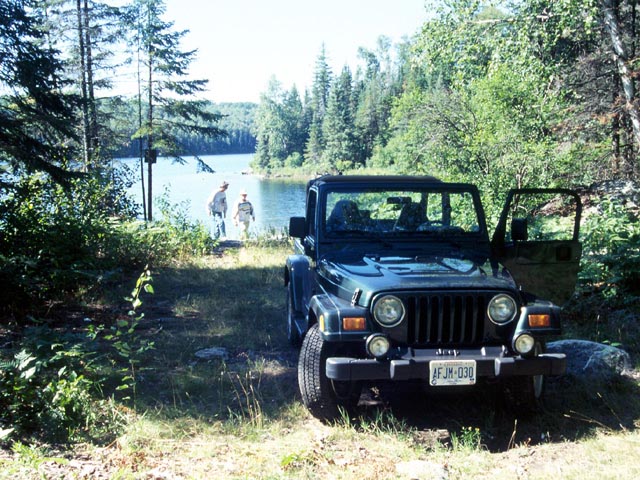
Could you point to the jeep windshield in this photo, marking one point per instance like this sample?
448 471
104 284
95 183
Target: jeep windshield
403 213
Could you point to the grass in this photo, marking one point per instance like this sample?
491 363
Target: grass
241 417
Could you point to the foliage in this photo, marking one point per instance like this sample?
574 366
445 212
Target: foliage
53 386
44 388
337 125
58 242
170 102
611 257
35 117
180 236
468 439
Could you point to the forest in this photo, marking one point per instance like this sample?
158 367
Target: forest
531 93
236 121
534 93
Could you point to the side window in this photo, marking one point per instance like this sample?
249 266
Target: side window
434 207
541 217
463 212
311 212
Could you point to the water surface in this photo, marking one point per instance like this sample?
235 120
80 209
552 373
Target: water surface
274 200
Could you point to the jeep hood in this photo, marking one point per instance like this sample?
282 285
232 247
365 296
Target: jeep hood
342 275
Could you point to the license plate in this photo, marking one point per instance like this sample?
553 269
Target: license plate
452 372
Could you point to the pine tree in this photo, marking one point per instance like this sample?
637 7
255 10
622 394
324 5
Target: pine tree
86 32
35 117
338 128
170 103
319 101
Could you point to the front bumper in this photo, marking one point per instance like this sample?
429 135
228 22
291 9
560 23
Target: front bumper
491 362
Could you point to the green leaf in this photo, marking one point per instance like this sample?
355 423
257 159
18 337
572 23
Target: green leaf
29 373
149 288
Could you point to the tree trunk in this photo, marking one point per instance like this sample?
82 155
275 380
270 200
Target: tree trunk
150 156
83 86
91 107
622 59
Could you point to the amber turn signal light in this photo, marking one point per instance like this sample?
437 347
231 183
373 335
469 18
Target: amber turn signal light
538 321
353 323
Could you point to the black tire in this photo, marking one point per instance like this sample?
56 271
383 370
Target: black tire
525 395
324 398
293 335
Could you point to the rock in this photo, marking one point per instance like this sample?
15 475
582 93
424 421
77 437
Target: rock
585 358
421 470
213 352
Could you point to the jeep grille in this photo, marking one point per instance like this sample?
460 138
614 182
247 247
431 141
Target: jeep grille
447 318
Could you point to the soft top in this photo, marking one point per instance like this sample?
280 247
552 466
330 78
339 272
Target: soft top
373 179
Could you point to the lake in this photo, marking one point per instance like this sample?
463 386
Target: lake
274 200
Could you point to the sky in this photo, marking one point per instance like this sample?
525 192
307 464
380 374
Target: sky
242 44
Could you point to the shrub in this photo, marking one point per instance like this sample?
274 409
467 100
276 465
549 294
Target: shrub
53 387
43 388
611 257
56 242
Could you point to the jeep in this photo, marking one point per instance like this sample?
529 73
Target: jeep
395 278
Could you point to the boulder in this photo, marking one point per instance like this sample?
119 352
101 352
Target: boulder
585 358
421 470
213 352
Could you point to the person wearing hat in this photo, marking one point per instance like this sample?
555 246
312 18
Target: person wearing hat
243 214
217 207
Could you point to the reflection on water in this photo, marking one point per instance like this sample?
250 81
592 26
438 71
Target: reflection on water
274 200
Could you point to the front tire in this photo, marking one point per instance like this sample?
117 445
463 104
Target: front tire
324 397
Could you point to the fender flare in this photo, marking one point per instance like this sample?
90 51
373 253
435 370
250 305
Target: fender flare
296 276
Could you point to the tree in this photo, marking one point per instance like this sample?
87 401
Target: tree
338 127
485 109
87 33
373 97
36 118
269 128
170 101
279 127
319 99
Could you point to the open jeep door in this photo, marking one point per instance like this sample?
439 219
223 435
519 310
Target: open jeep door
540 247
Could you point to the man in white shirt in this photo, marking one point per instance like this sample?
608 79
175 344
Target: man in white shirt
217 207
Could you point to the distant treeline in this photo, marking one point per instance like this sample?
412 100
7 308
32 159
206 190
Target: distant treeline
237 122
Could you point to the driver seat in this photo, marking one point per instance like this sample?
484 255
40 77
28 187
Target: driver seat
344 216
411 216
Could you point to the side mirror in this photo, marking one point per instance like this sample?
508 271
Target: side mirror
297 227
519 230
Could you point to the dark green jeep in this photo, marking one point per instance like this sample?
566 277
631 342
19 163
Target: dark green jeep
395 278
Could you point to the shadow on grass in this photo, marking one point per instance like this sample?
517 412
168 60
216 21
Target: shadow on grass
242 310
237 310
574 408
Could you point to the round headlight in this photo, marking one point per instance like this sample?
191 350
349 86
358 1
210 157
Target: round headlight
502 309
377 345
524 344
388 311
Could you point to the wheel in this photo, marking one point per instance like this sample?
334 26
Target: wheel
292 330
524 395
323 397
